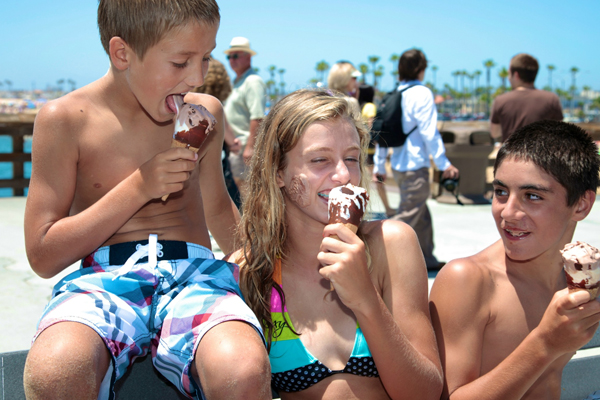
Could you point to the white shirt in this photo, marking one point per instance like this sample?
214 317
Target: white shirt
418 109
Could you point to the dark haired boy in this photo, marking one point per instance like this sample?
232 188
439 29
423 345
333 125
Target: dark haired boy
102 160
506 324
524 104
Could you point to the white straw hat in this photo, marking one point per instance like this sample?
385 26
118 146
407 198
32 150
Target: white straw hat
240 44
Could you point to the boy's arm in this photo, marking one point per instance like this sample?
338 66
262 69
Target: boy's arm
54 238
222 216
460 309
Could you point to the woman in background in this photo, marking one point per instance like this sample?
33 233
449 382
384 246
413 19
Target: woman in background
218 84
343 77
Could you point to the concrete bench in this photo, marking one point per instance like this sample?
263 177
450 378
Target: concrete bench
581 377
141 381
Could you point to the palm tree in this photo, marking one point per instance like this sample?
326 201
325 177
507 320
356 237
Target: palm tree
364 70
488 64
456 74
8 85
574 71
394 60
471 77
456 94
550 69
477 74
374 60
60 84
503 74
281 83
72 83
321 67
378 74
434 69
271 88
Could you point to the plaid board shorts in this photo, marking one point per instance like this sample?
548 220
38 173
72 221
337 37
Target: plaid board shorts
158 295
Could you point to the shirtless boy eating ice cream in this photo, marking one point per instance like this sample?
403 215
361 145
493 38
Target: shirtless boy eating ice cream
505 321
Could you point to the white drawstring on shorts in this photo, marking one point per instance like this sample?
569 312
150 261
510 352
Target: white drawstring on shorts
152 250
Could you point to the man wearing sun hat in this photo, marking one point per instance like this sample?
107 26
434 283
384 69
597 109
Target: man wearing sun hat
245 106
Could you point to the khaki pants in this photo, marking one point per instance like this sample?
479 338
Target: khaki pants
414 192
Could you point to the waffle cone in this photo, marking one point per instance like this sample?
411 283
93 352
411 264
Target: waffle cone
354 229
177 143
593 292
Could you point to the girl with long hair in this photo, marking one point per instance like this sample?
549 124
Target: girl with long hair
371 336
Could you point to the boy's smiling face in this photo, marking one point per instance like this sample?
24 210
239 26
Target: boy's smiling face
175 65
530 210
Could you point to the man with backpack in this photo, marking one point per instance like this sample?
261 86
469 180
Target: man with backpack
409 128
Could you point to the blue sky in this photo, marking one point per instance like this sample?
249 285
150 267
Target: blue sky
43 41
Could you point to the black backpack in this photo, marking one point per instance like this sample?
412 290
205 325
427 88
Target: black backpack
387 128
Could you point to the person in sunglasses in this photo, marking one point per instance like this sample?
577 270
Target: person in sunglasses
245 107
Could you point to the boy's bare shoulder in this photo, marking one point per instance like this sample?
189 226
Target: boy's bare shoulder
474 275
67 113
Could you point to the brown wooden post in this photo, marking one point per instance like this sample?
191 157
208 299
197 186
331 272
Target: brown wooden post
17 131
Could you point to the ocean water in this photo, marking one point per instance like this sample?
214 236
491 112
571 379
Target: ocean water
6 168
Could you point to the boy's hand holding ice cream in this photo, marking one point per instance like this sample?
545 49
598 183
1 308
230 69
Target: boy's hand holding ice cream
193 123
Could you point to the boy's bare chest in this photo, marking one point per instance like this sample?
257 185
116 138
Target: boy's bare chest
111 153
515 313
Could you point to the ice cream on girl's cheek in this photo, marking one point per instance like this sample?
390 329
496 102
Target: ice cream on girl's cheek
299 190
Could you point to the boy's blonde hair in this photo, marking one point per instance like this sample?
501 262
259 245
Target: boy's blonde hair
263 228
143 23
339 76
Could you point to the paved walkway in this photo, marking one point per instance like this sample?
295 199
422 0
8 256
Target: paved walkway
459 231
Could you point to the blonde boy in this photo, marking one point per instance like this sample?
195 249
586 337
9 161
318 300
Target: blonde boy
148 280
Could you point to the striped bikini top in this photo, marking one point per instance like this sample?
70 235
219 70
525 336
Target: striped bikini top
293 368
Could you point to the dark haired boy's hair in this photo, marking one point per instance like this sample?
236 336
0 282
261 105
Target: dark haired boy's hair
143 23
526 65
563 150
410 65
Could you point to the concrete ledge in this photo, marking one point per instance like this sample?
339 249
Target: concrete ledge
141 382
580 378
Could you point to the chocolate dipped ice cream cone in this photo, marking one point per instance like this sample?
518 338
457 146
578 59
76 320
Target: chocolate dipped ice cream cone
582 267
347 205
192 126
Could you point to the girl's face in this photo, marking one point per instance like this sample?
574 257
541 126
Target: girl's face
326 156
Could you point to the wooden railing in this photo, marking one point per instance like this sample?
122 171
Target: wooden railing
21 126
18 131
